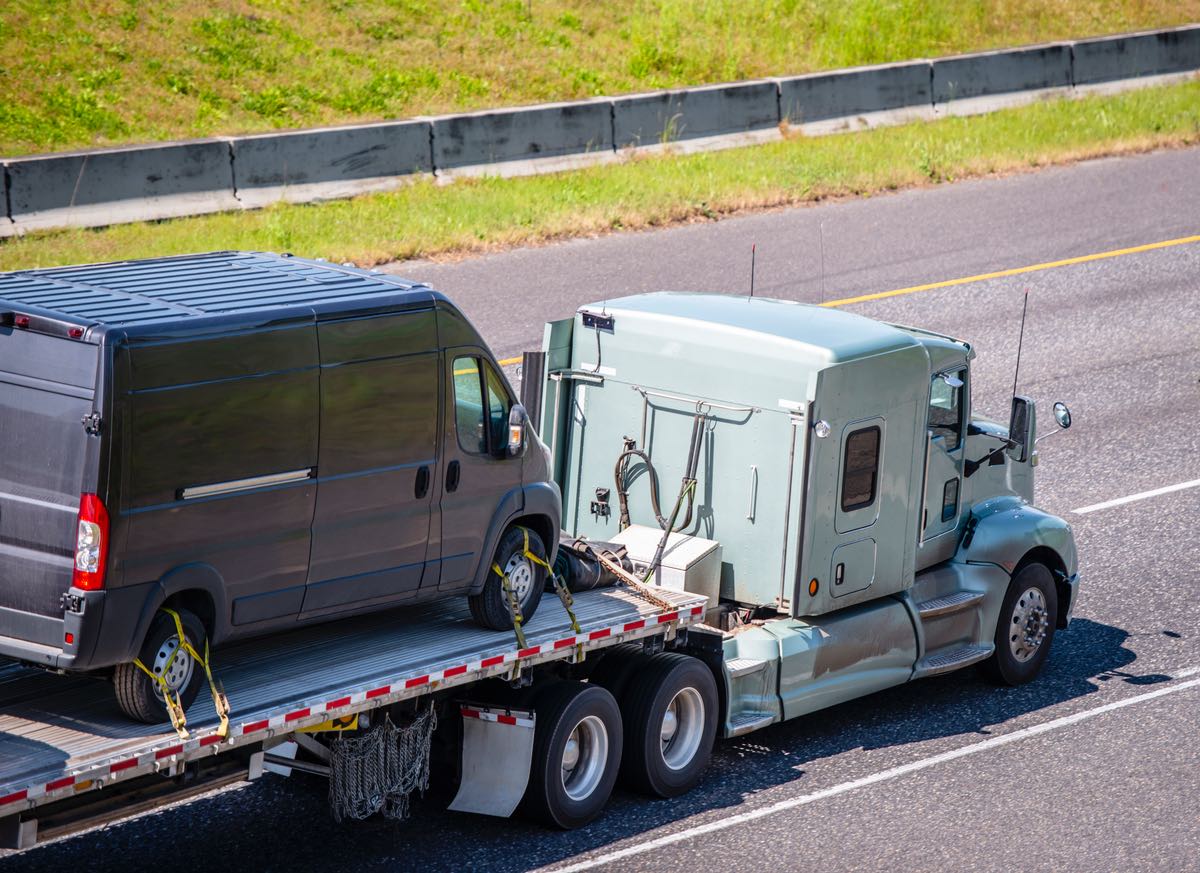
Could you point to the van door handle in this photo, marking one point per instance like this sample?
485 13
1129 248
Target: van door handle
453 473
422 487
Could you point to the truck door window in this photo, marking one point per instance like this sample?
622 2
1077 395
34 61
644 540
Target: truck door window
469 409
945 411
861 469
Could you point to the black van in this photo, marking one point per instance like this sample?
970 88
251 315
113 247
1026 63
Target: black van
253 441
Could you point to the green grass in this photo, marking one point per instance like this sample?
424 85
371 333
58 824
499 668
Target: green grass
425 219
80 73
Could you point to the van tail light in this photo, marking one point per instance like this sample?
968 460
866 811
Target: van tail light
91 546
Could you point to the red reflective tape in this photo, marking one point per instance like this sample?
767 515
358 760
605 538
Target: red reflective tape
122 765
60 783
635 625
299 713
15 796
506 719
670 616
455 671
255 726
415 681
210 739
532 650
600 634
379 692
171 750
470 713
564 644
696 610
334 704
492 661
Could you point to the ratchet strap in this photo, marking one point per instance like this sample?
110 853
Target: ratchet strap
172 699
514 606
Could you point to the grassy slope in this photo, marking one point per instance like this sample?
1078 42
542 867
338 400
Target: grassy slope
426 219
85 72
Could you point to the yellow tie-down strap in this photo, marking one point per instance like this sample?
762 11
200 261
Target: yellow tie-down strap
172 699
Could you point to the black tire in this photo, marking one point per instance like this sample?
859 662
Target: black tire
1024 617
489 607
616 667
137 695
561 709
651 766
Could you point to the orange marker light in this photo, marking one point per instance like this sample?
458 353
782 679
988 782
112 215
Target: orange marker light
812 588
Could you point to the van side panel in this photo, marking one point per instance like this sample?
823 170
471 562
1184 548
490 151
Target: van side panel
224 411
378 454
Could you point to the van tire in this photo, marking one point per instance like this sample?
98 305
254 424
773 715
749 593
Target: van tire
1029 611
136 692
489 607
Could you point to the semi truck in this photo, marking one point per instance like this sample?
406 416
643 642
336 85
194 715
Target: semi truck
843 523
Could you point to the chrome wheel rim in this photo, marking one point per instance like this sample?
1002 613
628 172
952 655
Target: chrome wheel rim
178 673
519 571
1028 626
584 758
682 728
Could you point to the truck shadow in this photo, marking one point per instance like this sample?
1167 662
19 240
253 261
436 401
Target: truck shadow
274 823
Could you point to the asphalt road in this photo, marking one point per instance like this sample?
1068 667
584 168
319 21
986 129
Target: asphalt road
1095 766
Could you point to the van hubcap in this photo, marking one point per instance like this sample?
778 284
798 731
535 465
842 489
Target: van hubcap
178 673
1030 621
520 576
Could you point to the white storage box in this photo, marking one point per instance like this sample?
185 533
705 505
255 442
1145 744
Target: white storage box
689 563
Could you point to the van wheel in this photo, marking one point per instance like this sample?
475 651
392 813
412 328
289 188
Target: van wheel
576 754
490 606
1025 628
139 697
670 712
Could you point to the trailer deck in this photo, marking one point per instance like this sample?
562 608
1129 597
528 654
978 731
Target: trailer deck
62 736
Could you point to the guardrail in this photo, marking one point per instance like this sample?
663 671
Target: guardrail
167 180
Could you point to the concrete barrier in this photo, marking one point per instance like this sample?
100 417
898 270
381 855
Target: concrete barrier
858 96
112 186
671 116
308 165
991 80
1163 52
552 130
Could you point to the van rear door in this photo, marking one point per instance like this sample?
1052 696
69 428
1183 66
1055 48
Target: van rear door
47 385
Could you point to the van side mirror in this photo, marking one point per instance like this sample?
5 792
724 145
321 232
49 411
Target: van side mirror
518 420
1021 428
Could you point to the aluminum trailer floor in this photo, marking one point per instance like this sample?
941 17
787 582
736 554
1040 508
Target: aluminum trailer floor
60 736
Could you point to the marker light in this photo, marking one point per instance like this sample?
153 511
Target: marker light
812 588
91 545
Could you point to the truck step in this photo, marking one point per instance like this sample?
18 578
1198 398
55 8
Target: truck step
739 667
747 722
956 602
946 660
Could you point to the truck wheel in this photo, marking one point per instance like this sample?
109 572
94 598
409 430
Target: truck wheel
576 754
489 607
139 697
670 711
616 667
1025 628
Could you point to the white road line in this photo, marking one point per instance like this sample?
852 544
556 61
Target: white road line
881 776
1108 504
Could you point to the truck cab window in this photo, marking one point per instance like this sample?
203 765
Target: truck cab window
945 410
469 409
861 469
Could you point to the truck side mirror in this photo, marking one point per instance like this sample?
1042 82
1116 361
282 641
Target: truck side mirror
518 420
1062 415
1020 429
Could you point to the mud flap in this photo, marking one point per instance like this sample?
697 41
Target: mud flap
497 752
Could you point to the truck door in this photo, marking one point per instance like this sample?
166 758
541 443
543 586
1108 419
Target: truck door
943 476
478 480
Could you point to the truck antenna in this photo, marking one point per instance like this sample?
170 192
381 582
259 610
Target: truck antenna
1020 341
753 250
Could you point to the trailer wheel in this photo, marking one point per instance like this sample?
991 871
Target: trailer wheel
489 607
616 667
670 711
141 698
576 754
1025 628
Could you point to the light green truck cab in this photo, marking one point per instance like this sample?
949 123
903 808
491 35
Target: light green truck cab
872 530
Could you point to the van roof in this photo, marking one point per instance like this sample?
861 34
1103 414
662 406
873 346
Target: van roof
160 291
831 334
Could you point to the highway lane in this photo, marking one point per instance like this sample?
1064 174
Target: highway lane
1118 339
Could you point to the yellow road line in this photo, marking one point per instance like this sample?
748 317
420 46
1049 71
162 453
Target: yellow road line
507 362
1016 271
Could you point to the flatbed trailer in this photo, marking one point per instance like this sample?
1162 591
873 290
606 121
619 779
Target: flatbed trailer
69 759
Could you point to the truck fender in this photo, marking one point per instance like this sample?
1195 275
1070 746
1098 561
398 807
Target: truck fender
536 499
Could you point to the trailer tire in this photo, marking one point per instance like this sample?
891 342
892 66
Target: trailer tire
138 696
1025 627
489 607
576 754
670 711
616 667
